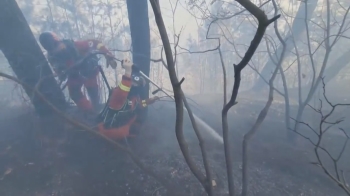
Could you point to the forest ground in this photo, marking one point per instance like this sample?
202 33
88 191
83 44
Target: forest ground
38 161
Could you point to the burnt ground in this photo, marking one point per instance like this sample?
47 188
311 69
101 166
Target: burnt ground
41 159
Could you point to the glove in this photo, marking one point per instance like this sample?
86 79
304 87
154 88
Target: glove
127 65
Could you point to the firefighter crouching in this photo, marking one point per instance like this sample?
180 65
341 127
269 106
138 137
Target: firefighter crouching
63 54
123 105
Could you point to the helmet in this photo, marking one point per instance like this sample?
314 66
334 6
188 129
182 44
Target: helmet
49 40
136 77
137 80
138 84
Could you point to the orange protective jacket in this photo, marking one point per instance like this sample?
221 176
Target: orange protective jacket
119 103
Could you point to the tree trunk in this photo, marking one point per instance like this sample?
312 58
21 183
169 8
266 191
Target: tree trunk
336 66
298 27
140 37
23 53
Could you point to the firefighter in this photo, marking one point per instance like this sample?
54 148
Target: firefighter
64 53
123 105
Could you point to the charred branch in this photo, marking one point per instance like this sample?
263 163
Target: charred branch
179 102
263 23
263 112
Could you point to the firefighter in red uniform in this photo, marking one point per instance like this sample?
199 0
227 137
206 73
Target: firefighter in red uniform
63 54
123 105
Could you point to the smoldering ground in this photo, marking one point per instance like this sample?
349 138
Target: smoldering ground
78 163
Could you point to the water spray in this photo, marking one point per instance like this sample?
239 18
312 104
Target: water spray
199 121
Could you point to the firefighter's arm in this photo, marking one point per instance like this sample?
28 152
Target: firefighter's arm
94 44
149 101
57 67
102 48
121 92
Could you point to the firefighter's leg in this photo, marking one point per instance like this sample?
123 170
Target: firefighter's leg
76 94
116 133
92 88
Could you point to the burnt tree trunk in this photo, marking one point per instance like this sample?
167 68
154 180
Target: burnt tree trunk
23 53
140 37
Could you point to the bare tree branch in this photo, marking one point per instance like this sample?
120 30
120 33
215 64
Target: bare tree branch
179 101
236 14
263 112
328 49
263 23
338 177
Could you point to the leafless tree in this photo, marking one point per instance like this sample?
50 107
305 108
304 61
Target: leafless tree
263 23
263 112
325 126
328 44
180 101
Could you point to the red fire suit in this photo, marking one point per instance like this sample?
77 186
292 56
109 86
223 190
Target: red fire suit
76 81
121 111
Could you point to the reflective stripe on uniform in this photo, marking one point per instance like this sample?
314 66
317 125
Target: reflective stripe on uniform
144 104
124 88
